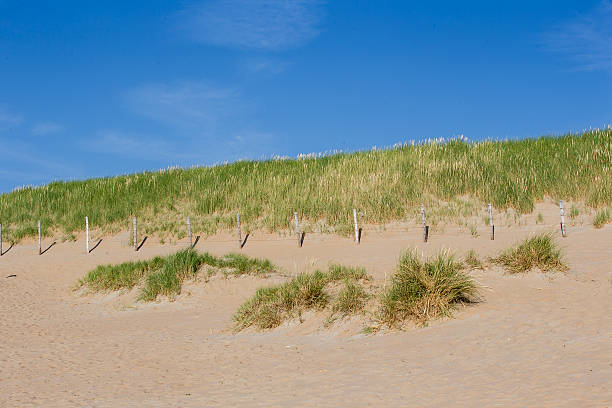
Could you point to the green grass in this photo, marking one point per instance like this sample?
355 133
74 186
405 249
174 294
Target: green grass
422 289
602 217
165 275
540 251
270 306
351 299
385 185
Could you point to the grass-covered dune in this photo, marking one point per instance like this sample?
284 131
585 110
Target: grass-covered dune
384 185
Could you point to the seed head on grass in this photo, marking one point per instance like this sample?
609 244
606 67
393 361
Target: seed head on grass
540 251
424 289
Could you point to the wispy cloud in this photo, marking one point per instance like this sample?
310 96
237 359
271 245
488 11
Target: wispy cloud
266 66
9 120
46 128
139 146
194 105
586 40
261 24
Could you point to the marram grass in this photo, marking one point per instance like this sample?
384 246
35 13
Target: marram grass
540 251
385 185
165 275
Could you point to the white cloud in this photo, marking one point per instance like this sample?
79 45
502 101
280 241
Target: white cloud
262 24
46 128
586 40
193 105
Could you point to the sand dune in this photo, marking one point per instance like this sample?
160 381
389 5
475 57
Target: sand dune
535 340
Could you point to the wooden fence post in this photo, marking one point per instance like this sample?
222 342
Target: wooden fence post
425 226
87 234
239 231
562 213
0 239
356 227
297 228
39 239
189 231
491 222
135 234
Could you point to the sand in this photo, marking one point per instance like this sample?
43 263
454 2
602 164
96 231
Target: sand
535 340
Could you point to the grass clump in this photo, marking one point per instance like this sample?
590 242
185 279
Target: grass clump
351 299
424 289
165 275
540 251
270 306
602 217
471 259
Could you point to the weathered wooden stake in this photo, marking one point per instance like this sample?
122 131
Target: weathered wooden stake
356 228
87 234
189 231
135 234
297 228
491 222
425 226
562 212
239 231
39 240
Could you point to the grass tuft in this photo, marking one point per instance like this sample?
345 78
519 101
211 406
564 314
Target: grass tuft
424 289
270 306
165 275
351 299
540 251
602 217
471 259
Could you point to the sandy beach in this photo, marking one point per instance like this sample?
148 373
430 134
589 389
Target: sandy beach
534 340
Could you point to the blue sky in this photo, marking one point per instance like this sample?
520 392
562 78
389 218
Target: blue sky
92 89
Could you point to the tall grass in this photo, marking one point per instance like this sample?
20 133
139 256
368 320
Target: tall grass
602 217
165 275
385 185
424 289
540 251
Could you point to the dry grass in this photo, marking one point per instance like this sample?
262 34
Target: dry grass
540 251
602 217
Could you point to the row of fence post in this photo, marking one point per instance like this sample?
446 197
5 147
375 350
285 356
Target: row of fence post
299 234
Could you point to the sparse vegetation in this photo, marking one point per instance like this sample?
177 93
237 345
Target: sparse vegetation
602 217
165 275
540 219
270 306
471 259
540 251
509 174
574 212
424 289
